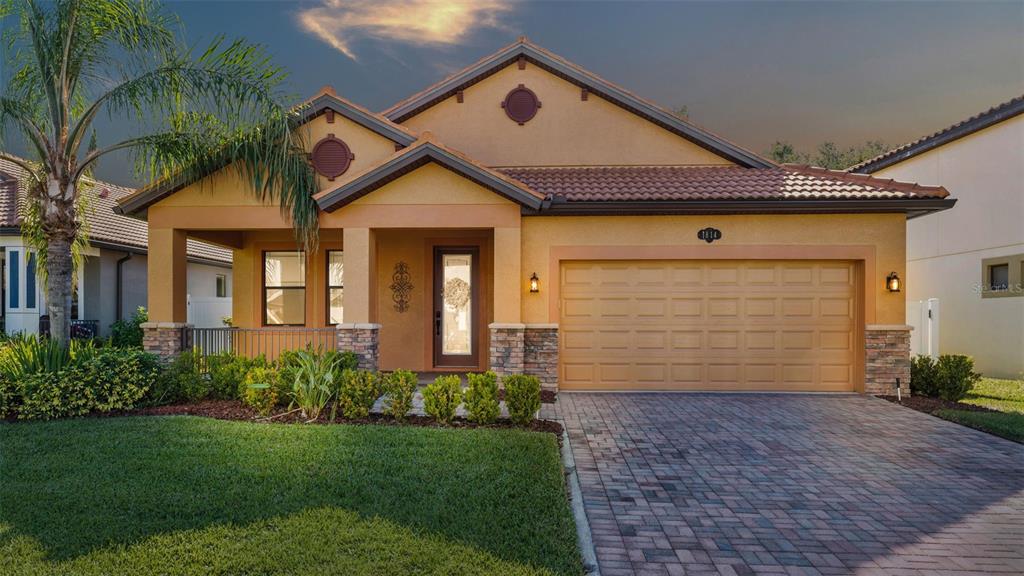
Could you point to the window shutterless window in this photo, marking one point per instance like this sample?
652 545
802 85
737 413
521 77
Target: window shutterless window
335 287
284 288
222 286
15 272
999 277
30 280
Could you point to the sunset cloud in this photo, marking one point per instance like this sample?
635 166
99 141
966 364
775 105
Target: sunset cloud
340 23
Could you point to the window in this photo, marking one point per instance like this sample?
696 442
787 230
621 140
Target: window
999 277
1002 276
222 286
30 281
335 287
284 288
15 269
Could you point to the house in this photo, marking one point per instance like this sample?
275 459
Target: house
111 284
970 259
525 215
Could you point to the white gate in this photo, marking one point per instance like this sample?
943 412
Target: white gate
923 315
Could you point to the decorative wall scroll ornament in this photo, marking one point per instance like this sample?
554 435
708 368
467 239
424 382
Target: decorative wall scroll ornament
456 294
709 235
401 286
331 157
521 104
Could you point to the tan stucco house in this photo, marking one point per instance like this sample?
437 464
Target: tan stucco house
528 216
965 266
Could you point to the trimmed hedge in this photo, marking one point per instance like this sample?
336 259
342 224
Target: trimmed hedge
522 397
949 378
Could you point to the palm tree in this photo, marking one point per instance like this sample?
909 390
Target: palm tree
75 60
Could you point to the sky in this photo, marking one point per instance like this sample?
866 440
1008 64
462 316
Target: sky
754 72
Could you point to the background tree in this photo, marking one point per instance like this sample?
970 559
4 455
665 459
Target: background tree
827 155
784 153
73 60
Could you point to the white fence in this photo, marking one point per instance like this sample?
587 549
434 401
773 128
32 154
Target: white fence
207 311
923 315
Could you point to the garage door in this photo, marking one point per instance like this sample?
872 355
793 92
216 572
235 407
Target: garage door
708 325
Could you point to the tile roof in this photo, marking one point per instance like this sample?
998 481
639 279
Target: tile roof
106 227
993 115
678 183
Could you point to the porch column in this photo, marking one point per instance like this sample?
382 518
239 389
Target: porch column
167 288
507 337
887 358
360 333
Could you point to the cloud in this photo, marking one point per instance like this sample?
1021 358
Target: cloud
341 23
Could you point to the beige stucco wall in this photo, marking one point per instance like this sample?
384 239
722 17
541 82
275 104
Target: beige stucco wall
985 172
879 234
565 132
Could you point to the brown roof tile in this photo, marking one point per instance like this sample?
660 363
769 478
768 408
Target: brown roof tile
676 183
105 225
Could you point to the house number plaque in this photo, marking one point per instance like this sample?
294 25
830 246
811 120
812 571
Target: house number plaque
709 235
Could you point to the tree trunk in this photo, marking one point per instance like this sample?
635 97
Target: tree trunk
59 274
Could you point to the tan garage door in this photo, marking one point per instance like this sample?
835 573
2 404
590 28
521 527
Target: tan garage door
708 325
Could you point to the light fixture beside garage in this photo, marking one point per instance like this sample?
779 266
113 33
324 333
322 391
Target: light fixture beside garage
534 284
893 282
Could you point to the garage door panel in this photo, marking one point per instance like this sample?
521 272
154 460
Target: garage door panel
717 325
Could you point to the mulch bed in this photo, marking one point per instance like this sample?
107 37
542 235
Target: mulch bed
235 410
933 405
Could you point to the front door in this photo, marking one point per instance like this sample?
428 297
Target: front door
456 306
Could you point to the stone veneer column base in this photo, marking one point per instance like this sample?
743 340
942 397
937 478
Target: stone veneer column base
886 358
541 358
507 348
364 340
165 339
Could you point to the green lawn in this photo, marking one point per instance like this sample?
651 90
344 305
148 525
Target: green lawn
185 495
1007 396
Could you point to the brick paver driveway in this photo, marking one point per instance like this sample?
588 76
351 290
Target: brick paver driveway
792 484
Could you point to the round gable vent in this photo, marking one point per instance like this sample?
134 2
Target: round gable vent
331 157
521 104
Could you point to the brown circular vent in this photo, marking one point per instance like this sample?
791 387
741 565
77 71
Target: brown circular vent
331 157
521 104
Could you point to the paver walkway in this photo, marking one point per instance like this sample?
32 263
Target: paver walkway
791 484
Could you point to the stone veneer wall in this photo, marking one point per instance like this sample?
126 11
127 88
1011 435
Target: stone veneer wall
364 340
887 357
507 348
165 339
541 358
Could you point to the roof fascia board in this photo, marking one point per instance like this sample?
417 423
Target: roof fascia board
911 207
366 183
361 117
596 85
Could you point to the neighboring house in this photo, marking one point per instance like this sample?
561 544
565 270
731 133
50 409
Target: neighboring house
525 215
971 258
111 284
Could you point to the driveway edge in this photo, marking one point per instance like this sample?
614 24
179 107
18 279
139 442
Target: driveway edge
584 539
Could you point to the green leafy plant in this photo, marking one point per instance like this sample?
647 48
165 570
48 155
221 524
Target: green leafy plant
61 394
522 397
181 380
955 376
923 376
128 333
262 389
481 398
227 372
10 396
357 391
314 382
24 355
441 398
400 387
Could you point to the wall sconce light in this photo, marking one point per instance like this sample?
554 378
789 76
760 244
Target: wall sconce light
534 284
893 283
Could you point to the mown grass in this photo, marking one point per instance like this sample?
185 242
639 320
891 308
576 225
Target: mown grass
1006 396
185 495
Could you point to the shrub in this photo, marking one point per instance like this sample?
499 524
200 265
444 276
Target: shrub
314 381
227 372
441 398
262 389
47 395
357 391
180 381
128 333
955 376
481 398
400 386
10 396
923 377
522 397
117 377
347 360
